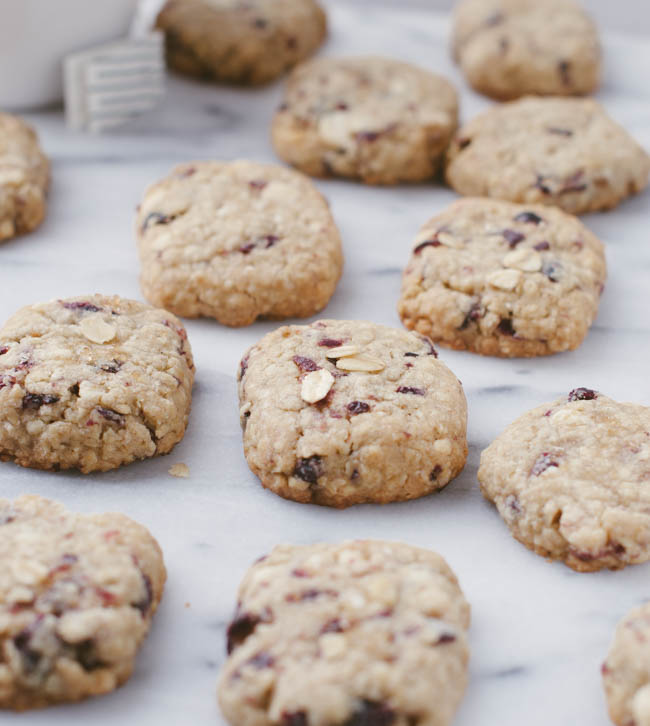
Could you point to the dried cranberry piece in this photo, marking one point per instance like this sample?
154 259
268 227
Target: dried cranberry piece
540 183
512 502
582 394
552 270
542 463
341 106
427 243
528 218
270 240
512 237
330 342
463 143
144 604
474 313
543 245
33 401
446 638
505 327
110 415
294 718
369 136
243 365
246 249
356 407
411 355
112 367
239 629
257 184
154 218
411 389
85 306
429 344
3 349
309 469
305 364
435 472
574 183
372 713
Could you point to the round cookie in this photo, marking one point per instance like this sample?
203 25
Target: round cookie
247 43
570 480
91 383
503 279
511 48
77 595
24 178
359 633
237 241
375 119
561 151
626 672
343 412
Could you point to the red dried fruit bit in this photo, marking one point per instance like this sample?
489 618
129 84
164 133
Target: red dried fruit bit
332 626
427 243
528 218
239 629
446 638
429 344
261 660
154 218
542 463
512 237
247 248
33 401
294 718
341 106
110 415
513 504
86 306
582 394
309 469
144 604
243 366
258 184
411 355
3 349
505 327
411 389
330 342
540 183
299 572
435 472
356 407
179 330
574 183
473 314
463 142
372 713
305 364
543 245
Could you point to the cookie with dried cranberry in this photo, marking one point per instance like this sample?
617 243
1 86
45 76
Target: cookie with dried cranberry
565 152
24 178
244 42
92 383
511 48
626 671
503 279
367 632
341 412
375 119
570 480
237 241
77 595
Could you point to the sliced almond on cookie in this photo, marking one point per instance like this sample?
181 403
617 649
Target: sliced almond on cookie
316 385
365 363
504 279
96 329
343 351
522 259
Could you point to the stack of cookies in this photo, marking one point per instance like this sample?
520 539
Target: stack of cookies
333 412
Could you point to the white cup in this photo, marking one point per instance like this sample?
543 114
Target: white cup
35 36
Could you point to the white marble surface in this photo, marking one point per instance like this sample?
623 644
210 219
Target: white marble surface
539 630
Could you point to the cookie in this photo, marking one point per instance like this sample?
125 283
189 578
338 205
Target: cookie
237 241
246 43
503 279
375 119
342 412
24 178
77 595
91 383
561 151
362 633
511 48
570 480
626 672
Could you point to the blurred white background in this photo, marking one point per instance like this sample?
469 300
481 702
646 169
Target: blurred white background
628 15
